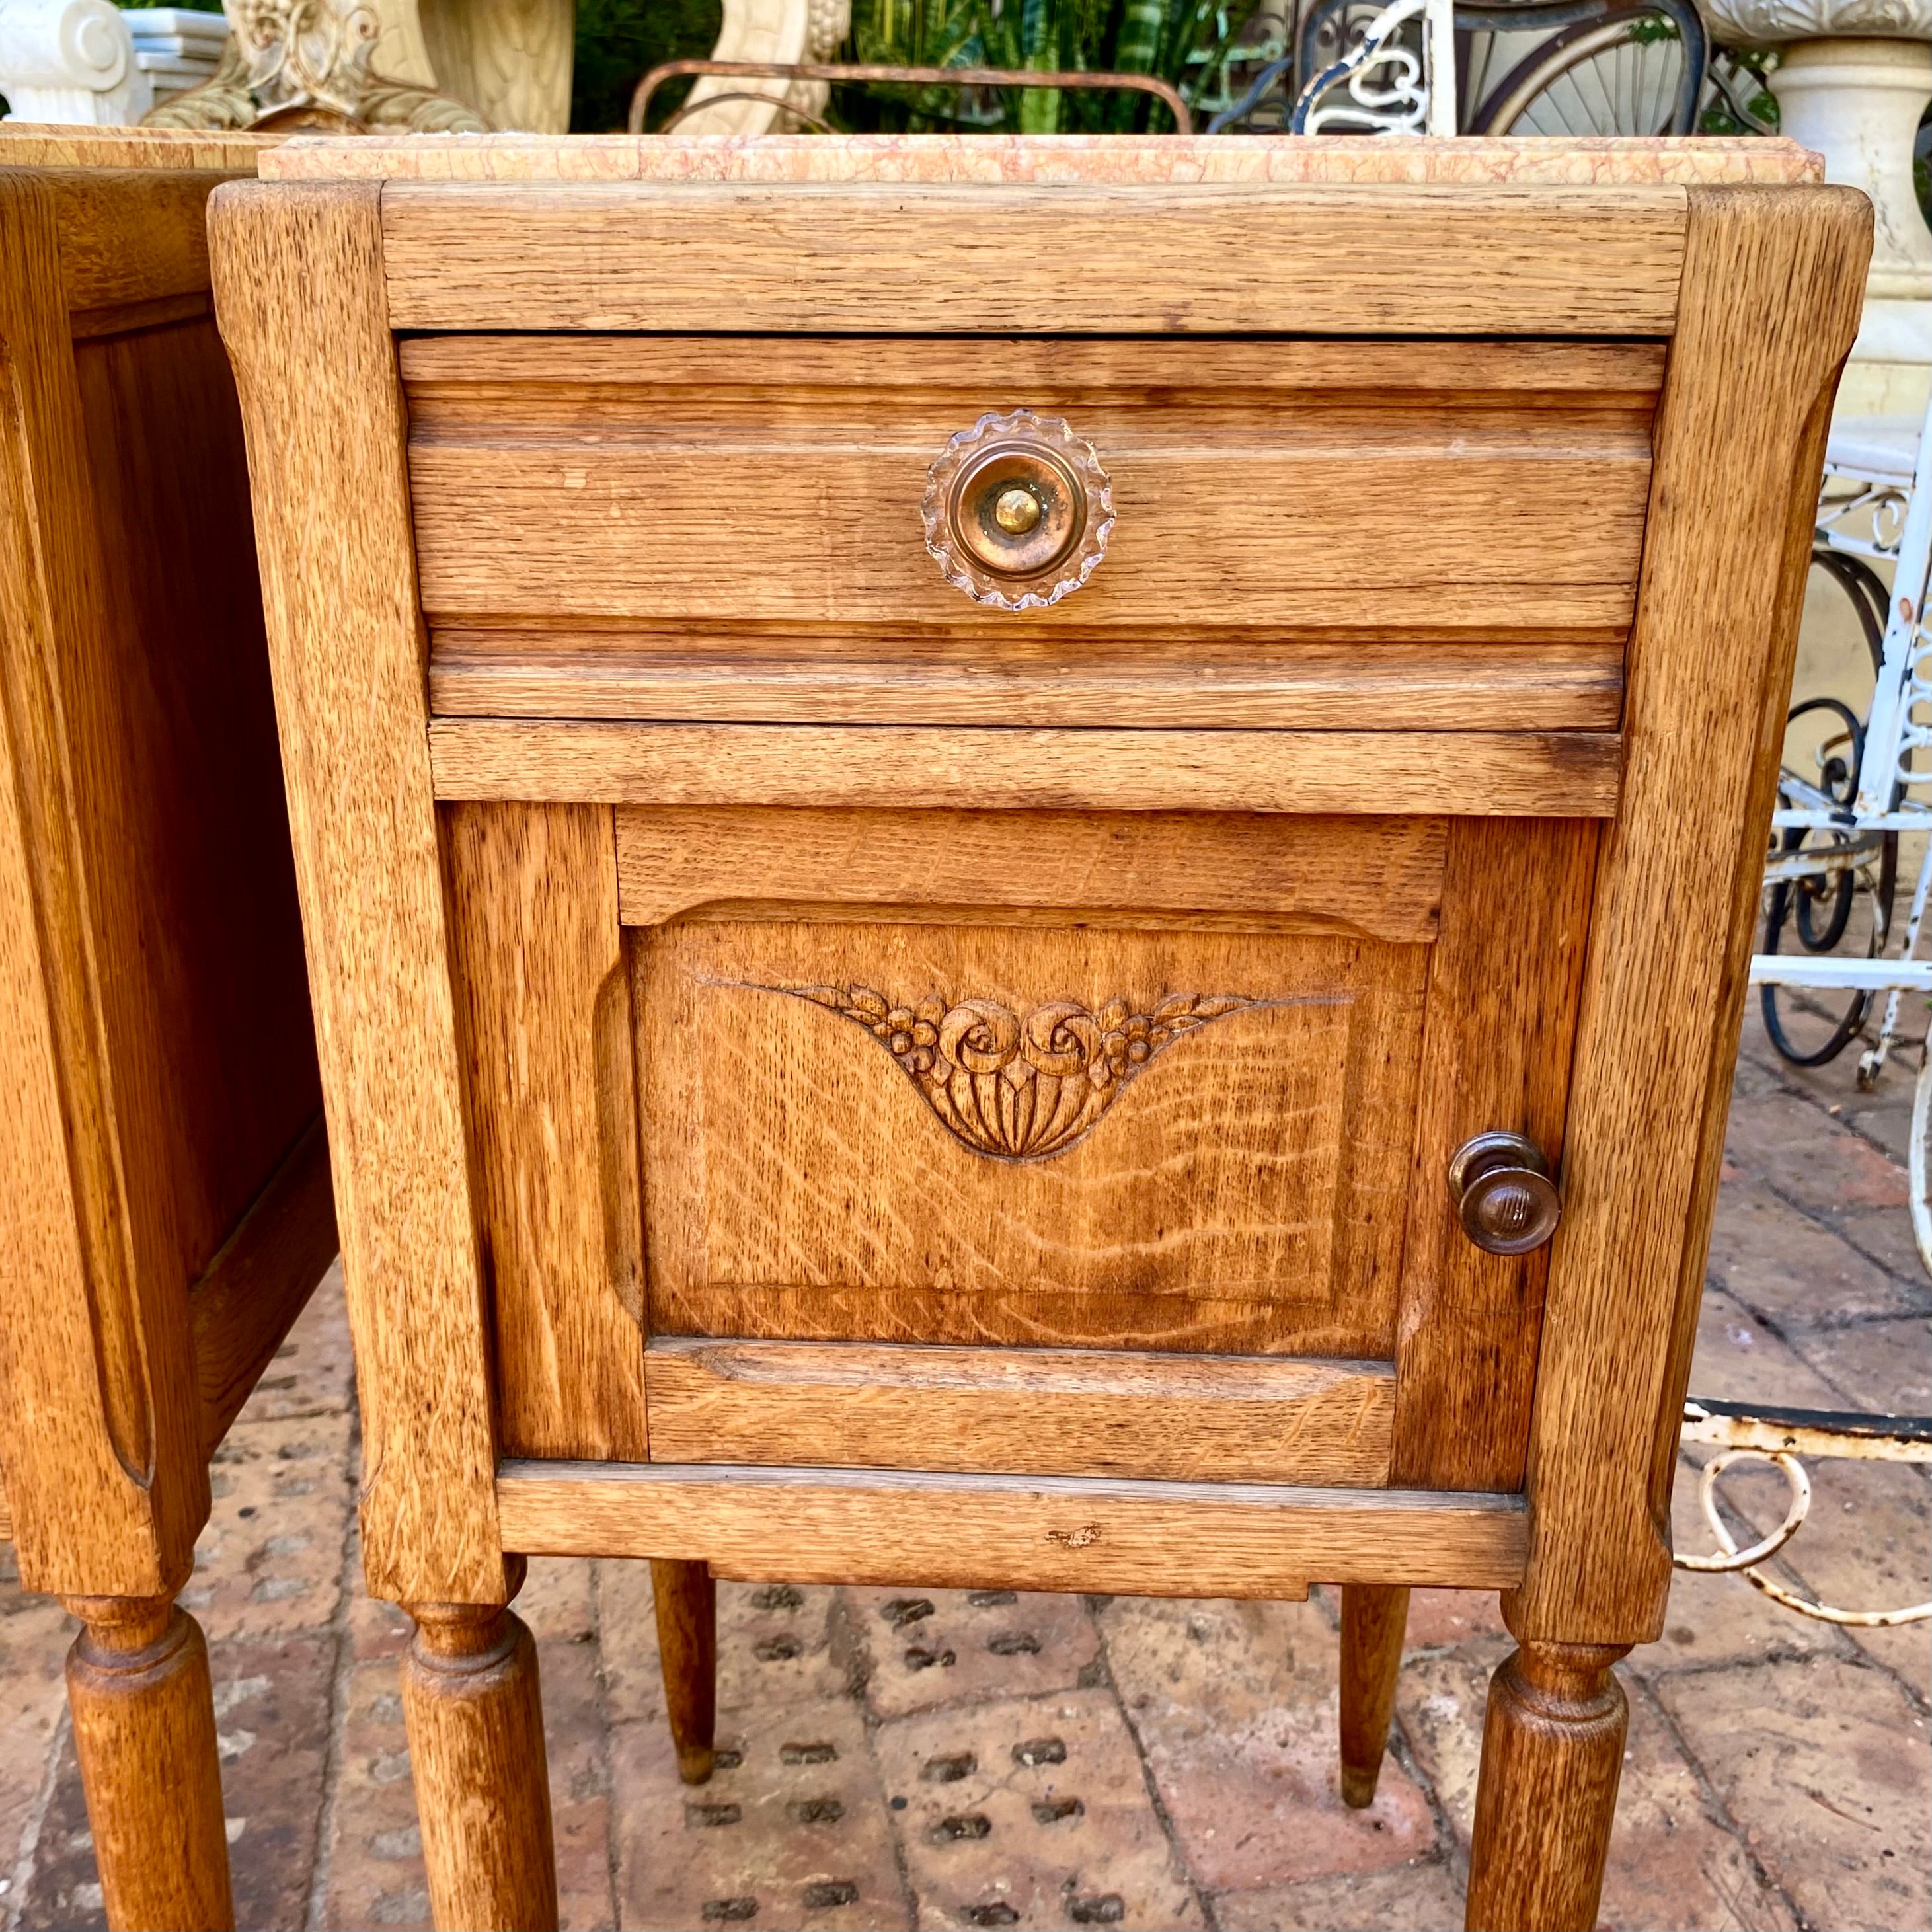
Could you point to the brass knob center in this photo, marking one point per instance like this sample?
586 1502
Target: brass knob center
1017 511
1017 508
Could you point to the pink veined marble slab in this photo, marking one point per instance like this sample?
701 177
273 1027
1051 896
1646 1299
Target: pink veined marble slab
1125 160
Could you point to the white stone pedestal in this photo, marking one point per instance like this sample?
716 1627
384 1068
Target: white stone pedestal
1857 102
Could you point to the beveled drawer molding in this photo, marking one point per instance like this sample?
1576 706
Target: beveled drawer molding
1489 774
504 672
877 260
1300 534
1016 1532
1381 878
1036 1411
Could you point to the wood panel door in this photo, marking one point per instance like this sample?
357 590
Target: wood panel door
1075 1143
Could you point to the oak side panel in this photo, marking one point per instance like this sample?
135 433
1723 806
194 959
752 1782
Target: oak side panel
131 235
1029 1411
1013 1532
1772 284
97 1392
1506 774
247 1299
197 844
544 996
1504 979
1382 878
298 290
917 258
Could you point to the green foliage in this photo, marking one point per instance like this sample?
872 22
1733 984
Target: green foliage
619 41
1185 42
1748 67
186 6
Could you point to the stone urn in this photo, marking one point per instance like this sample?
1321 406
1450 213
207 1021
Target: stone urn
1854 78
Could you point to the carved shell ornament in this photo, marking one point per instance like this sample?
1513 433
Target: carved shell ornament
1019 1087
1018 510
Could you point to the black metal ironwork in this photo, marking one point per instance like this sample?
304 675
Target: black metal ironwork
844 74
1297 66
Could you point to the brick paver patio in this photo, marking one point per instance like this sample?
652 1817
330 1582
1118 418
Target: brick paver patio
951 1759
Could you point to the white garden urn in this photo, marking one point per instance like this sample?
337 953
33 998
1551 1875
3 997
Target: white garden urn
1853 79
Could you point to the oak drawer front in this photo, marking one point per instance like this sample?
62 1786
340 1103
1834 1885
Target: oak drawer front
665 527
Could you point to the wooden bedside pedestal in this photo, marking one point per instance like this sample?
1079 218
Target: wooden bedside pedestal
165 1206
986 833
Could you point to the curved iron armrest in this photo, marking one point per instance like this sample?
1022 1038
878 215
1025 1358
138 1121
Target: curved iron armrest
916 76
1300 65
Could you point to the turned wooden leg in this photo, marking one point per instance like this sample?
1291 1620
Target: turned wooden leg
1552 1752
687 1601
1374 1616
144 1732
476 1723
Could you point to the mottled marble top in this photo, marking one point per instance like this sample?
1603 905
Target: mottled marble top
1063 159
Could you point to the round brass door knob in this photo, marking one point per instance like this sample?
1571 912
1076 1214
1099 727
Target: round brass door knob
1018 510
1504 1196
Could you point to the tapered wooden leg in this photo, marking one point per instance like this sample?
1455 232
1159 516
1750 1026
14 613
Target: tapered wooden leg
1374 1616
1552 1752
687 1601
144 1732
474 1714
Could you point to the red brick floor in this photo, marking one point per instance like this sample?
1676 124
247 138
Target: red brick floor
949 1759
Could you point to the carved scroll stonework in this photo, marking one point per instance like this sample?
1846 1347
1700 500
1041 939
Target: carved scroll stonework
290 64
1019 1087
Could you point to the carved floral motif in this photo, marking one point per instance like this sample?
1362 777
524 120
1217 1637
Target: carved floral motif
305 64
1760 22
1020 1086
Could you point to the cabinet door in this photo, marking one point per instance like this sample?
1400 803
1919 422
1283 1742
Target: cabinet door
1092 1143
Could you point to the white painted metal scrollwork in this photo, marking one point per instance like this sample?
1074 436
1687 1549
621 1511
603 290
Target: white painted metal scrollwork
1746 1562
1389 82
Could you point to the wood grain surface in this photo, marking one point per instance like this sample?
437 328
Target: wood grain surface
1011 1532
1260 1156
759 486
545 1000
1026 1411
1553 1756
247 1299
77 1398
298 288
1508 774
157 1010
857 258
686 1601
475 1714
1374 1621
130 235
1772 278
1378 878
1503 979
816 676
144 1737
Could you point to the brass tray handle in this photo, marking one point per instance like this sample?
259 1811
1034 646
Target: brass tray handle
1018 510
1504 1196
